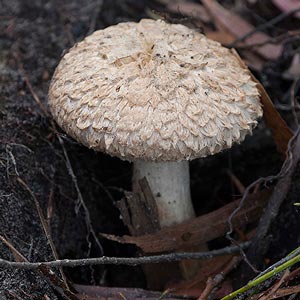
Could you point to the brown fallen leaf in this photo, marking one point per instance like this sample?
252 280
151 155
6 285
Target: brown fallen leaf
288 5
280 131
198 230
239 27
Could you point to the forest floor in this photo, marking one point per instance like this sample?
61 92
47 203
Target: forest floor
47 177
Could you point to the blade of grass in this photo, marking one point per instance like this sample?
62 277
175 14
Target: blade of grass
262 278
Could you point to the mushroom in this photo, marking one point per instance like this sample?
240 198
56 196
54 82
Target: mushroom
159 95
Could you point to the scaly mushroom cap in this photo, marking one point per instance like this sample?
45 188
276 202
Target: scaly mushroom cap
153 91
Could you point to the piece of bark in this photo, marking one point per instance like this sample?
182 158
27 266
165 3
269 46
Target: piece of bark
198 230
140 215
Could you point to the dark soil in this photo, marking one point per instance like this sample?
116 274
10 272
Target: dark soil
34 34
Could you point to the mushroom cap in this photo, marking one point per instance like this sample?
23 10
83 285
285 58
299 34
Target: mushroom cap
153 91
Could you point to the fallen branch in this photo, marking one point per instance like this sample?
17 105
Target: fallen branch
104 260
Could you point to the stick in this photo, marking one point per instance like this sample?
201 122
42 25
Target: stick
104 260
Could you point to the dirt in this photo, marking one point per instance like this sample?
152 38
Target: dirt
34 34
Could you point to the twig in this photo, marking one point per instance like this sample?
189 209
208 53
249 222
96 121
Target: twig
212 283
293 274
44 224
17 255
104 189
90 229
293 101
104 260
50 205
285 107
12 158
236 182
21 146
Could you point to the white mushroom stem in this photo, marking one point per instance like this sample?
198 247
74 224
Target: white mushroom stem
170 185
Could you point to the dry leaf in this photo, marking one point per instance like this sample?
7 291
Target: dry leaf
239 27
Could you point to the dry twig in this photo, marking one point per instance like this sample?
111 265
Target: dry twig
104 260
44 224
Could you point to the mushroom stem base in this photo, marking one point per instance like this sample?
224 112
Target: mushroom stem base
170 185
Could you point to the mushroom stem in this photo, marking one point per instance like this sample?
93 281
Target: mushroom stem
170 185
